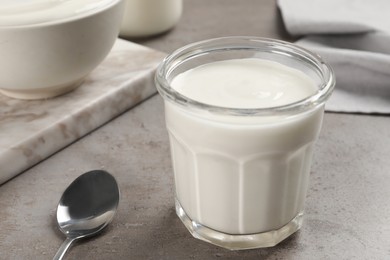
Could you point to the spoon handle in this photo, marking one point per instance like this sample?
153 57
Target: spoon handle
63 248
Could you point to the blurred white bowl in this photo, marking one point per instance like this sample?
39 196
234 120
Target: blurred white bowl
47 59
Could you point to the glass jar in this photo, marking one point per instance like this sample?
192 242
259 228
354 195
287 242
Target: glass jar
241 174
144 18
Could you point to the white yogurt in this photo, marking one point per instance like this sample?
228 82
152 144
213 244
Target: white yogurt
244 83
30 12
242 175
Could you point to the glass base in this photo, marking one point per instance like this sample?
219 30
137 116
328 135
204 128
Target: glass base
238 242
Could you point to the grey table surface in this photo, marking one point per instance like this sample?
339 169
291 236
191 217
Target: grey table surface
348 203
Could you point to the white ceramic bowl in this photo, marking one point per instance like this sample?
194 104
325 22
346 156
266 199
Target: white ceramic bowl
51 58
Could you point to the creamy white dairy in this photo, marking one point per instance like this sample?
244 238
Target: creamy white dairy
29 12
244 83
249 176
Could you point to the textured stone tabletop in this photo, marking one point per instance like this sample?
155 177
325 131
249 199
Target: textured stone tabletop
348 203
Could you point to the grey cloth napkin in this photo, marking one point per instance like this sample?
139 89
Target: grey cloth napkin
353 36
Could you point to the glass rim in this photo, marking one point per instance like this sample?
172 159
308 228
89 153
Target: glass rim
193 50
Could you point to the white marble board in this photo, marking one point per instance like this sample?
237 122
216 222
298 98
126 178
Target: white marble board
30 131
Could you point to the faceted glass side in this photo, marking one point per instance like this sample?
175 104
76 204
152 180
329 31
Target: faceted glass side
206 181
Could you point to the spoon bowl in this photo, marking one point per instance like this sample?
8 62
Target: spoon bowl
86 207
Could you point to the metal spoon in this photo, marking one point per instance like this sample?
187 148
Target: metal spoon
86 207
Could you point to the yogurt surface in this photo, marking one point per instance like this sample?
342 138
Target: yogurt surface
244 83
30 12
